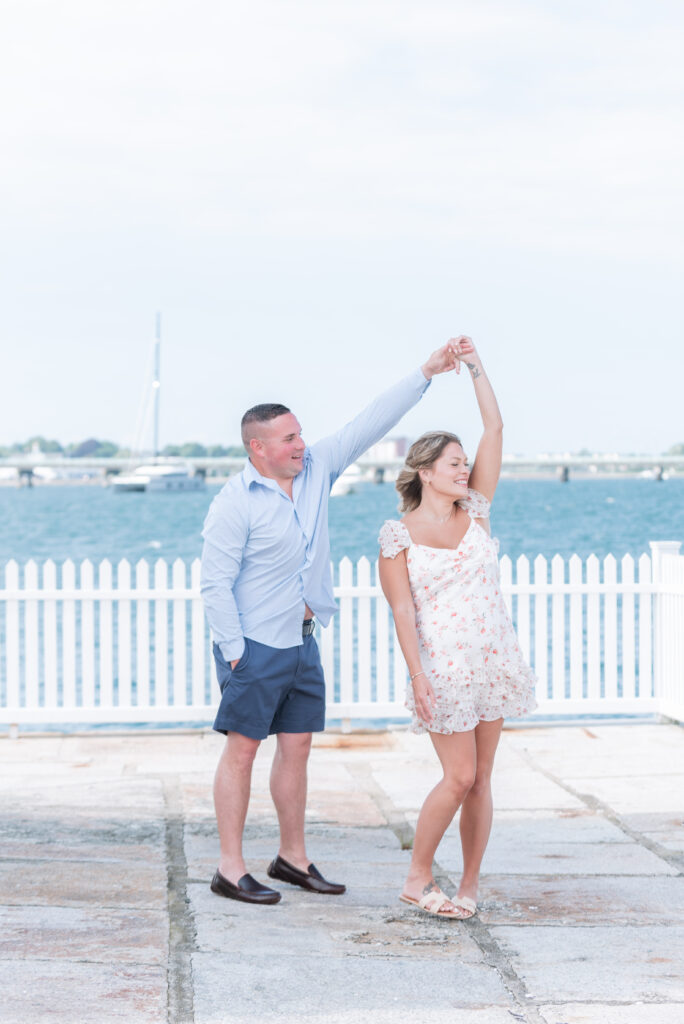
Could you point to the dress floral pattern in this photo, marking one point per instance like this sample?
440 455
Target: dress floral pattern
468 646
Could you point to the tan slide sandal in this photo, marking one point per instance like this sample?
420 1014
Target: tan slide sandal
433 903
465 903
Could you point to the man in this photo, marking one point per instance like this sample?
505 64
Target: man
265 575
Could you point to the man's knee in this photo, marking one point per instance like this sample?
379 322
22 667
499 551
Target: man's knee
294 746
240 751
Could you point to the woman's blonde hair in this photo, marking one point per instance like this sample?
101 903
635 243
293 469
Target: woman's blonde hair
421 455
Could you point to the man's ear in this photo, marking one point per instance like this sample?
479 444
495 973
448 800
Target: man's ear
255 446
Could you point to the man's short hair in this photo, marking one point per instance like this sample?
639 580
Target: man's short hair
259 414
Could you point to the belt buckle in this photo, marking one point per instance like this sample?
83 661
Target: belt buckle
308 627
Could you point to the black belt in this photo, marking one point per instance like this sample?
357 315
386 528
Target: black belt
308 627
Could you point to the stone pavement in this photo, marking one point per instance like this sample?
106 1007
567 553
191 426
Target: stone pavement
109 844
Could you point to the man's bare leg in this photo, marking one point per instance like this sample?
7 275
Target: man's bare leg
288 789
232 784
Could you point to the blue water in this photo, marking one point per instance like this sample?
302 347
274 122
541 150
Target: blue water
530 517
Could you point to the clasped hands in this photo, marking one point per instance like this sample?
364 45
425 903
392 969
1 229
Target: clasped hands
449 356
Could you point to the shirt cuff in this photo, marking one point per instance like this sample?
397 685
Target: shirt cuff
422 380
232 650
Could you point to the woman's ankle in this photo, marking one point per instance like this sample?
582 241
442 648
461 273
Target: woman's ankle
469 887
418 881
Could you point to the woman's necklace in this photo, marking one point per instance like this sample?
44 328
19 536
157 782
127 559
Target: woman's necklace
441 519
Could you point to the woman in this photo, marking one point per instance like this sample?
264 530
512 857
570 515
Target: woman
439 571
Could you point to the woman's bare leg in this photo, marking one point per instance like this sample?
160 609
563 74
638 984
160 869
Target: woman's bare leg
457 756
477 810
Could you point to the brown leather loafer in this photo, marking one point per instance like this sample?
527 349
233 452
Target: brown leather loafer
248 890
311 879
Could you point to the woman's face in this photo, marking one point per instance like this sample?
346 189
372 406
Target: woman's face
448 475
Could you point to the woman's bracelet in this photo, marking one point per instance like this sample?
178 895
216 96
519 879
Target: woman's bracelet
421 673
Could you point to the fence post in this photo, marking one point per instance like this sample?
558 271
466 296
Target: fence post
668 681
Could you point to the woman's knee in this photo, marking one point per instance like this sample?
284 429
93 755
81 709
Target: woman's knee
460 783
482 782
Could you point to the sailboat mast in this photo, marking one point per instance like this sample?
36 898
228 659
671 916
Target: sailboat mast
156 384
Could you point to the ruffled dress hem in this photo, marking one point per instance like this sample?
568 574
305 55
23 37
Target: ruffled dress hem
465 714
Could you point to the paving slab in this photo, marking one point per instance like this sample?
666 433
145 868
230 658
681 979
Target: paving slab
542 857
631 964
596 751
521 789
635 793
255 986
47 834
672 841
381 1015
348 808
27 847
580 900
77 933
663 830
126 799
610 1013
106 912
576 825
305 924
63 992
357 851
656 821
113 884
198 803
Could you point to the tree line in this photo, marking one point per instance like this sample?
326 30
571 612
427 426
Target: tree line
94 448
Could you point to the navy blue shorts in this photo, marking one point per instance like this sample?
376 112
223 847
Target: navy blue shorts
271 689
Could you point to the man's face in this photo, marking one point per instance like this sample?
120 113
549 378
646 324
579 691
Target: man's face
279 447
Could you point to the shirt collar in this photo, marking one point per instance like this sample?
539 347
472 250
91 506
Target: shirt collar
252 475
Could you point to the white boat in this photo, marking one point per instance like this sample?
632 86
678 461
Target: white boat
158 478
346 483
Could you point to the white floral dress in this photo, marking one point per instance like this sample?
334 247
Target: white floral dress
468 646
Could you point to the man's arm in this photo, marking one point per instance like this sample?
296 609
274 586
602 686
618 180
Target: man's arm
225 535
371 425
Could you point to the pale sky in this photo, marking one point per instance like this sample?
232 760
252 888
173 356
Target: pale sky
316 195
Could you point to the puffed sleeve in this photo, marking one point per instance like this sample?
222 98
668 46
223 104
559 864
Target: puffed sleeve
394 537
476 505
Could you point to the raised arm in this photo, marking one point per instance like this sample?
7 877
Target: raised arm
384 412
487 465
395 586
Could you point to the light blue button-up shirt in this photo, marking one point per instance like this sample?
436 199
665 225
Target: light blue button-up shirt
266 556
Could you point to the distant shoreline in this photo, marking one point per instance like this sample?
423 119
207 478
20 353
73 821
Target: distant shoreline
505 475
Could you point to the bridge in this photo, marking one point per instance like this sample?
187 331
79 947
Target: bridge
560 465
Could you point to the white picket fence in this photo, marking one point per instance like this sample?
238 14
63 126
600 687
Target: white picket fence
133 645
